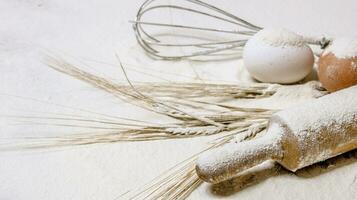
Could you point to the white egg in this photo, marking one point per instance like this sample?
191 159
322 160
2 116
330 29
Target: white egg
277 56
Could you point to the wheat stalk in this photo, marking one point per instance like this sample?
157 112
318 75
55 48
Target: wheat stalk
181 180
185 102
110 131
199 109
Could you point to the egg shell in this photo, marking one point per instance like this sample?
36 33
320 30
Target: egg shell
337 73
277 63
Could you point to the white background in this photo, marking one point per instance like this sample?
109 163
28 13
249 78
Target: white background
97 30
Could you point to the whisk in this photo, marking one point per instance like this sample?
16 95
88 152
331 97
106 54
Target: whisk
193 37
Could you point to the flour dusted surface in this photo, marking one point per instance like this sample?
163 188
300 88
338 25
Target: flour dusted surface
280 37
296 137
320 130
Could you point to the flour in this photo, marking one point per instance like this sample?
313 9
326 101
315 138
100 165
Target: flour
225 162
297 137
354 65
343 48
280 37
323 128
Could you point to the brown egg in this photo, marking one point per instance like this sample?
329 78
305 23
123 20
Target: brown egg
336 73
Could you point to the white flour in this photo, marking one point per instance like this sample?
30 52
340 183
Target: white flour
225 162
97 30
280 37
354 65
322 126
297 137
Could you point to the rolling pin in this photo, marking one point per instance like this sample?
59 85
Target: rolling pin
296 137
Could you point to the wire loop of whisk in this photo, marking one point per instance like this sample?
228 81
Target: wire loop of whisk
199 44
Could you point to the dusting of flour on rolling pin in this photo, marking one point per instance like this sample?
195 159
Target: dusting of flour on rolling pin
337 67
296 137
278 56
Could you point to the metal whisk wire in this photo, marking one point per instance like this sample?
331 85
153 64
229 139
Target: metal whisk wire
151 42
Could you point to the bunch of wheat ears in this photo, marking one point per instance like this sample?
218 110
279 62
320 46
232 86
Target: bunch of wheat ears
198 109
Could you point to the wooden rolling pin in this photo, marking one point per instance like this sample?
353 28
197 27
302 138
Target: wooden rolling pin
295 138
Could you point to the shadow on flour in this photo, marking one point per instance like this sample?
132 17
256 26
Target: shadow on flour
253 177
328 165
